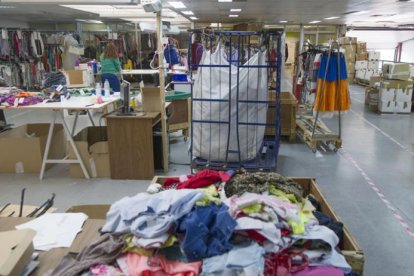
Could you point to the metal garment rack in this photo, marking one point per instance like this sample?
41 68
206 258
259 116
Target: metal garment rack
244 43
312 130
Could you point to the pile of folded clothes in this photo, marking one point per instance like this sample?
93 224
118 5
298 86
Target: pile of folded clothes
215 223
15 97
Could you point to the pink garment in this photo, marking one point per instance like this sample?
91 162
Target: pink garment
159 266
105 270
319 271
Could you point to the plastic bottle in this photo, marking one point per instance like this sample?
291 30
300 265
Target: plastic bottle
98 89
107 88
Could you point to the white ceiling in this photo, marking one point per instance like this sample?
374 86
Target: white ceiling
377 12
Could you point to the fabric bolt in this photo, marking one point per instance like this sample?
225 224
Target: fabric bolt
149 216
261 182
159 266
206 232
103 251
235 262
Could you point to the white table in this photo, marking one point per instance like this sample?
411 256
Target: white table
140 72
77 104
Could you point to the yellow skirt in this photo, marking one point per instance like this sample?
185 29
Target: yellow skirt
330 99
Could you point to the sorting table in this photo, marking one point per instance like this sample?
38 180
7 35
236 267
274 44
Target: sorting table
76 104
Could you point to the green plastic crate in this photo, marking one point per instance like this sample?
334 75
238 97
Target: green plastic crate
176 96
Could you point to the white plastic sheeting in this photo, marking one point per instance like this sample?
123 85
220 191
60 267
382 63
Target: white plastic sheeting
210 139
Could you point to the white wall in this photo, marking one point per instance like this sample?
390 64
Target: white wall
13 23
407 54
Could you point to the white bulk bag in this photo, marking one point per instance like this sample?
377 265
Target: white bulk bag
210 139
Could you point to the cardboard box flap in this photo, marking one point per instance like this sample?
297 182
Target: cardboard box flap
99 148
15 251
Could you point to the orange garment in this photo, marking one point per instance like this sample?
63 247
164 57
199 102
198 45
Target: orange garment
25 94
160 266
332 100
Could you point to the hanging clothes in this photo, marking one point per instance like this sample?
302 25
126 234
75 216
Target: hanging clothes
332 94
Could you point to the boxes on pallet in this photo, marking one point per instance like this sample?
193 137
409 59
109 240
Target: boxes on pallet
397 71
362 56
375 81
373 55
404 95
368 74
371 95
360 74
395 90
361 64
350 52
387 106
361 47
373 65
347 40
412 71
403 107
350 67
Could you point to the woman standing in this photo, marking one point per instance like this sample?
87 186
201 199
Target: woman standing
110 63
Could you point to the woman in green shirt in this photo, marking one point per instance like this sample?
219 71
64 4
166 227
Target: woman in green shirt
111 67
110 63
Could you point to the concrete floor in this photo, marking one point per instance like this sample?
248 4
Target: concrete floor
369 183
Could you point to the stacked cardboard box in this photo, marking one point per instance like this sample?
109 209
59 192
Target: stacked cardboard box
367 63
349 44
395 96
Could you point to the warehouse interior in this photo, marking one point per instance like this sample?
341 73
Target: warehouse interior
317 92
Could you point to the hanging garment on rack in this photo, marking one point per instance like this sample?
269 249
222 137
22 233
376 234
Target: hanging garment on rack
210 140
37 44
314 73
332 94
197 50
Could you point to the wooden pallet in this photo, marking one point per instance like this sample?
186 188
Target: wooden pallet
304 126
362 82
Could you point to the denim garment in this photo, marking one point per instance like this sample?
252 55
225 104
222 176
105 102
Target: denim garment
150 216
206 232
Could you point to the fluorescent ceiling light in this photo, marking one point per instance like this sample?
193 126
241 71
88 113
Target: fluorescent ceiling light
177 4
332 17
360 12
215 24
235 10
283 21
193 18
187 12
89 21
314 22
233 15
7 7
225 0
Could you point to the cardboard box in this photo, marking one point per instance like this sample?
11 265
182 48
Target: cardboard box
371 95
361 47
373 55
373 65
96 211
15 251
348 245
360 74
403 107
361 64
18 142
404 94
287 115
388 95
397 71
350 67
397 84
347 40
387 106
13 210
362 56
411 71
374 81
368 74
92 144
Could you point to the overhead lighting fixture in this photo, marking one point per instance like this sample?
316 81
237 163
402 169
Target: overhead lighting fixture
215 25
89 21
332 17
360 12
225 0
233 15
283 21
193 18
187 12
7 7
314 22
177 4
235 10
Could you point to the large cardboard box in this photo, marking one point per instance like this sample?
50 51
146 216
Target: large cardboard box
373 55
403 107
361 64
25 145
404 84
373 65
397 71
375 80
350 66
95 211
92 144
15 251
387 106
360 74
362 56
350 52
287 115
348 245
361 47
347 40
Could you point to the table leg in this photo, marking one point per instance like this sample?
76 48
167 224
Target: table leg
90 117
48 143
75 149
75 123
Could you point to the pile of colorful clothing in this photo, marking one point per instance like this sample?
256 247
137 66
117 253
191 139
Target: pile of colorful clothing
16 97
215 223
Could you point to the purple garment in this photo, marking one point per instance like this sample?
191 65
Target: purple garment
9 100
